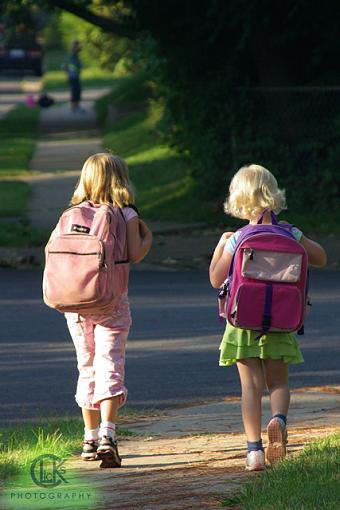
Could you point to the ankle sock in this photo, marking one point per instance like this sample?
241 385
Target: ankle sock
282 417
91 434
253 446
107 428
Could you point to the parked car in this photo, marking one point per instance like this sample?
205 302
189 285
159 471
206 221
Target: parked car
19 49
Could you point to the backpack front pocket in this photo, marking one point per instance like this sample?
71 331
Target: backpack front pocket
74 269
272 266
266 307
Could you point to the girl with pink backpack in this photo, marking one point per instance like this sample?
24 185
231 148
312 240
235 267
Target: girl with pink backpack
86 276
262 270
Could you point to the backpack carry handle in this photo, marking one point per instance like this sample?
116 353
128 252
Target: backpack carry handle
273 217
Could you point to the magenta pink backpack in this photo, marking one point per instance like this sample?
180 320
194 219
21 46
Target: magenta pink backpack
266 289
86 269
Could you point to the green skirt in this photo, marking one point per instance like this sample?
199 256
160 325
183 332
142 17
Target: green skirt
240 344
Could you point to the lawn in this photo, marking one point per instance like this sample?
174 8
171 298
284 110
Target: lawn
20 234
90 77
34 456
18 133
14 228
131 121
308 481
20 445
131 128
13 197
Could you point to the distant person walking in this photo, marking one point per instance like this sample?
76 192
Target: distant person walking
73 68
263 357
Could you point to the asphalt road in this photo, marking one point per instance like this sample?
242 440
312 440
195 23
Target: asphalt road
172 356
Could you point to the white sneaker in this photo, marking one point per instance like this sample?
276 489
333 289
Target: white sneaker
277 440
255 461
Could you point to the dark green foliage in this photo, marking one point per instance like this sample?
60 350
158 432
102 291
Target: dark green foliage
199 55
206 51
294 132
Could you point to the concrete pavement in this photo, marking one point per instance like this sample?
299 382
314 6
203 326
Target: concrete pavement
195 457
67 140
13 91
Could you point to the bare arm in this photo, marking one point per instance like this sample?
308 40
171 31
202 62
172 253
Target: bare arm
219 266
316 254
139 239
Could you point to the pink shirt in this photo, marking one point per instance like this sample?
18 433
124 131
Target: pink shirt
129 213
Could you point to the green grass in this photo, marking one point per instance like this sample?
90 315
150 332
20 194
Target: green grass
164 189
21 470
20 445
18 132
13 197
19 234
16 232
309 481
164 186
55 78
90 77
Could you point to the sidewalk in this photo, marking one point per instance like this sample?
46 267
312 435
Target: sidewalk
13 91
66 140
192 458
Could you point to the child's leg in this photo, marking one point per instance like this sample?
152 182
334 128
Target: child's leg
110 391
83 339
276 373
91 418
109 365
252 383
109 408
82 333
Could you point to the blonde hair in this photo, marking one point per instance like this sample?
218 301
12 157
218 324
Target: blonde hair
252 190
104 179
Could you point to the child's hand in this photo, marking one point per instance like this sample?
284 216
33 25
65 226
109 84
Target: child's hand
224 238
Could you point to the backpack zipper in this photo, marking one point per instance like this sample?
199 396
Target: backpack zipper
77 253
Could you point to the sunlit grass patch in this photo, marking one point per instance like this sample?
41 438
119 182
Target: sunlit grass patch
90 77
21 445
35 467
164 188
308 481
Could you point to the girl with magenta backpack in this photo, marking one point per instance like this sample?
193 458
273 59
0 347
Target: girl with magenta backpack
102 203
262 356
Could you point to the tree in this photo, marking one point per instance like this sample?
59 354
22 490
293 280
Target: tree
203 54
116 24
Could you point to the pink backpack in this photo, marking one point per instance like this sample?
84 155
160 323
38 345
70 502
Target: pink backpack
266 289
86 269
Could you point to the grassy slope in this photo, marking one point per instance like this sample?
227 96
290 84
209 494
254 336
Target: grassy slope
309 481
164 189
